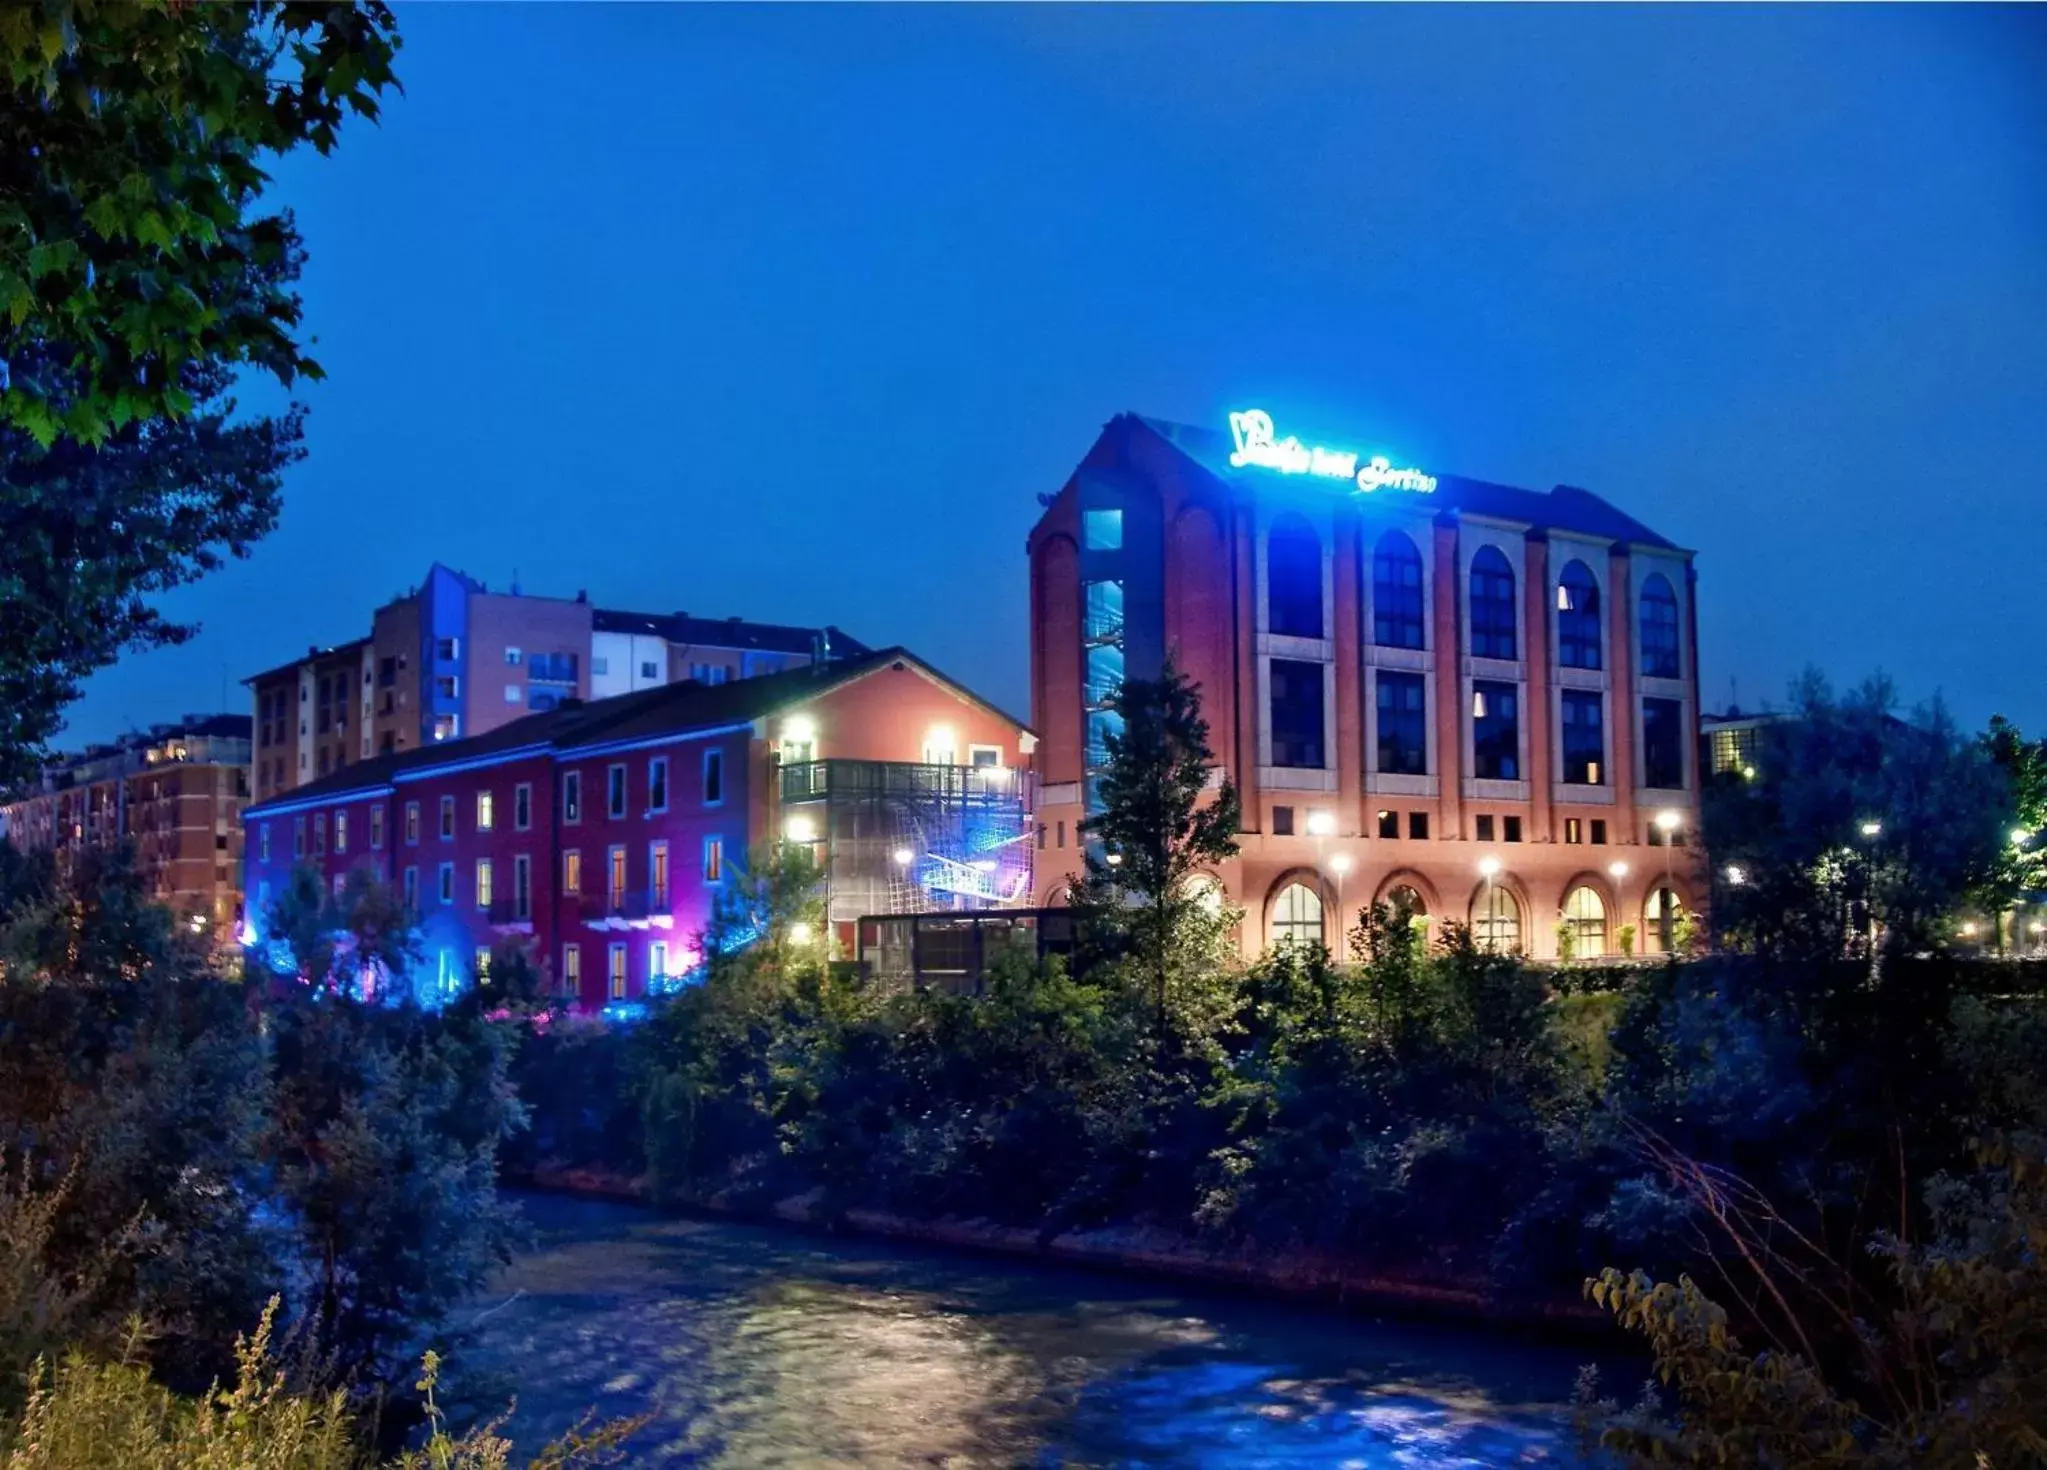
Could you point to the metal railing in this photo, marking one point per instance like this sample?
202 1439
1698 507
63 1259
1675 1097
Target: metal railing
859 780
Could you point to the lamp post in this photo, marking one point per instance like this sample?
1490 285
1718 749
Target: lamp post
1871 829
1489 868
1667 822
1339 865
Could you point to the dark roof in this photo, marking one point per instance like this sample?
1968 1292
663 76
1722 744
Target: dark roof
1566 508
312 655
668 709
723 632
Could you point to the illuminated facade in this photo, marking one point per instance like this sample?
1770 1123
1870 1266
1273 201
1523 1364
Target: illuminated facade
175 795
1483 696
601 834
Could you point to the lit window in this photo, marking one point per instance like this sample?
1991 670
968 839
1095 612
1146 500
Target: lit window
1660 918
657 962
512 656
513 694
1585 918
484 884
714 859
615 877
657 874
482 964
1496 920
572 969
572 871
1102 530
1297 916
341 831
486 811
1577 618
617 972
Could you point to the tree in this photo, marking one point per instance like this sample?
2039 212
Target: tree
358 941
1856 824
139 274
1157 825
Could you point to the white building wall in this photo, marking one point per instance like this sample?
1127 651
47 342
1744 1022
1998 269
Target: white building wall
618 662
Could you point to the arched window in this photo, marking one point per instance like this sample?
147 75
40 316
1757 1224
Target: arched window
1496 920
1659 628
1396 592
1661 916
1492 605
1585 917
1577 618
1297 916
1405 896
1293 579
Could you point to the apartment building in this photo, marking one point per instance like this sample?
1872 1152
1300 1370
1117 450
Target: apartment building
452 658
175 793
602 834
1478 698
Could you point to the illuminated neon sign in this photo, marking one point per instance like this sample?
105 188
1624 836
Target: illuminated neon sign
1258 446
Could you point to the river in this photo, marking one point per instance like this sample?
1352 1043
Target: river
759 1345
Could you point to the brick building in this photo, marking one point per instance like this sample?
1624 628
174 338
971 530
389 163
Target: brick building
176 794
1482 695
452 658
602 833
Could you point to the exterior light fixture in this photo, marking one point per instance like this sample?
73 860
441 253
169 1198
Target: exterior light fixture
1872 829
1969 931
1668 821
904 857
1748 773
2020 837
198 924
1735 876
1114 859
1617 871
1321 824
1488 866
1340 864
799 729
800 829
799 933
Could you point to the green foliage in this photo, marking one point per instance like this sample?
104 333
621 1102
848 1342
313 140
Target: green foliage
359 941
1811 879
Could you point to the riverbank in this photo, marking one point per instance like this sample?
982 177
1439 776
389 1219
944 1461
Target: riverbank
1127 1251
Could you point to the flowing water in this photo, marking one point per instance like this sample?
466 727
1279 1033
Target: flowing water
755 1345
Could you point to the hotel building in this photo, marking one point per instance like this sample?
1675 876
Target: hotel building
602 834
175 794
452 659
1481 698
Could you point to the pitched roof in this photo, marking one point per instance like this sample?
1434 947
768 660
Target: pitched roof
312 655
648 714
723 632
1566 508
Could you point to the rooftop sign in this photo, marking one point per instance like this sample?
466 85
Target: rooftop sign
1259 447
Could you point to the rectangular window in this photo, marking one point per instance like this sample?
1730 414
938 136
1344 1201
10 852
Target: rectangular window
600 664
376 828
522 806
572 969
447 648
650 670
512 657
522 887
1482 827
714 859
1389 824
412 888
572 796
657 783
616 977
657 963
572 871
447 882
1403 727
1296 714
614 792
714 777
615 876
486 811
484 885
412 824
1513 828
319 834
447 819
482 963
1574 830
657 874
447 727
263 842
1101 530
1663 759
1043 833
1062 834
513 694
1418 826
445 686
1495 731
1584 738
1282 821
341 831
985 757
1599 832
298 837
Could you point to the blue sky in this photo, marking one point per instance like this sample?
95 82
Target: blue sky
792 313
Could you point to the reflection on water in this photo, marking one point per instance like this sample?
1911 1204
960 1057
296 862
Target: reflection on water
757 1346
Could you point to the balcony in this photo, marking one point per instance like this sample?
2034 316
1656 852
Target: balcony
633 908
867 780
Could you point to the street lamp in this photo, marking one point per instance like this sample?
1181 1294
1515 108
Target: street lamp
1339 865
1735 876
1489 868
1322 823
1667 822
904 857
800 830
1872 829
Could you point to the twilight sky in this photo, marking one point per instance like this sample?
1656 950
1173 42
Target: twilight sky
791 313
